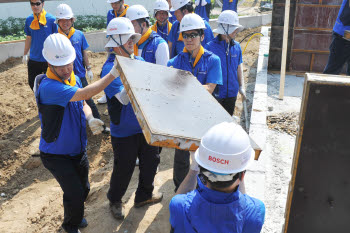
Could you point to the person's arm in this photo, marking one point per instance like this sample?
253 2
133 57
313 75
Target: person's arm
162 54
240 80
86 59
170 45
190 181
210 87
27 44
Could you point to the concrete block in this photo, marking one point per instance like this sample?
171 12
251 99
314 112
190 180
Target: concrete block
97 41
11 50
258 117
260 102
258 133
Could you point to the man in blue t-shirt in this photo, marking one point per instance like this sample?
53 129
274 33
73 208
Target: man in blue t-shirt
204 65
175 40
340 46
65 20
37 28
203 8
217 169
63 114
230 53
229 5
119 9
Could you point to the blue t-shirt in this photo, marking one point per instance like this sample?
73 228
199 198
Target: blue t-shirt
128 122
343 20
227 5
39 36
207 70
111 15
80 44
201 10
205 210
178 46
229 66
72 138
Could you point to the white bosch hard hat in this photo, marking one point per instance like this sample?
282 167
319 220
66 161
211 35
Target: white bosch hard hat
120 30
113 1
228 22
58 50
136 12
225 149
177 4
191 22
161 5
63 11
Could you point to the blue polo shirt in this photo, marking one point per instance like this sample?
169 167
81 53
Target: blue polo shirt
207 70
39 36
128 122
80 44
227 5
206 210
229 66
343 20
72 139
178 46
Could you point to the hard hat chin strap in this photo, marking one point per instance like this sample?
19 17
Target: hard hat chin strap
121 44
54 71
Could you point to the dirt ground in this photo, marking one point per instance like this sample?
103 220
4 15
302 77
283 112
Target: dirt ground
31 199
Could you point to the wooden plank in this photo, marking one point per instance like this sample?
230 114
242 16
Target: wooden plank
312 62
318 196
284 49
171 106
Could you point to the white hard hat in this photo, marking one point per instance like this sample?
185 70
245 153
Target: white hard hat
122 27
58 50
225 149
228 22
137 12
161 5
177 4
112 1
63 11
191 22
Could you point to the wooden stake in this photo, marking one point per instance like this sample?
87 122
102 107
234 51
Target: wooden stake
284 49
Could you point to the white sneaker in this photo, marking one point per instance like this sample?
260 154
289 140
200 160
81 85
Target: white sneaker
102 100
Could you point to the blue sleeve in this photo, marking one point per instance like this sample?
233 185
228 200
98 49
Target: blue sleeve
208 33
110 16
115 86
85 44
57 93
254 218
170 62
175 206
54 26
240 54
214 71
172 34
27 28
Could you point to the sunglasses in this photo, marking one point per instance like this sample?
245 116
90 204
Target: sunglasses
190 35
35 3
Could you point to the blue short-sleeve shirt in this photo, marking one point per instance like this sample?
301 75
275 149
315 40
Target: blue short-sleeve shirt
80 44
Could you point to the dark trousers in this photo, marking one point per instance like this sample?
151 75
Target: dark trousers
34 69
228 104
71 172
90 102
208 9
181 166
126 150
338 56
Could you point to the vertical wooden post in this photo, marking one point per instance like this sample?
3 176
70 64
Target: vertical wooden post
284 49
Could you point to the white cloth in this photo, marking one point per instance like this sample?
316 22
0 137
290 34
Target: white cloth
96 125
123 97
90 75
114 70
25 60
194 164
242 92
162 54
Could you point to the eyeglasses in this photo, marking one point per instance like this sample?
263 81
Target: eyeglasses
190 35
35 3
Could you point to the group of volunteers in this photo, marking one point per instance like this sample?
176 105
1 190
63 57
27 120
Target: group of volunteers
208 198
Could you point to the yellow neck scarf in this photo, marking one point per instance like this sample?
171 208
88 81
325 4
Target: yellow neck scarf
70 34
123 13
51 75
42 19
154 27
231 1
144 37
199 55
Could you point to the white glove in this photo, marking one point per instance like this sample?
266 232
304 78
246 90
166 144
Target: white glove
123 97
96 125
194 164
90 75
242 92
25 60
196 2
114 70
204 2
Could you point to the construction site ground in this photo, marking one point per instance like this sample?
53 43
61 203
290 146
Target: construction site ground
31 199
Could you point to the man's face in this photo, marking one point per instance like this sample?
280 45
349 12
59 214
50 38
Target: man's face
117 6
192 39
36 8
64 71
179 15
65 24
162 16
232 36
129 46
137 26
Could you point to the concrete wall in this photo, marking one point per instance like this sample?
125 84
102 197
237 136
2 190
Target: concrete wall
80 7
97 40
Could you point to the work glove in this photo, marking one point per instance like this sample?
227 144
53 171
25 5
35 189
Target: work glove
123 97
114 70
204 2
194 164
96 125
196 2
242 92
90 75
25 60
